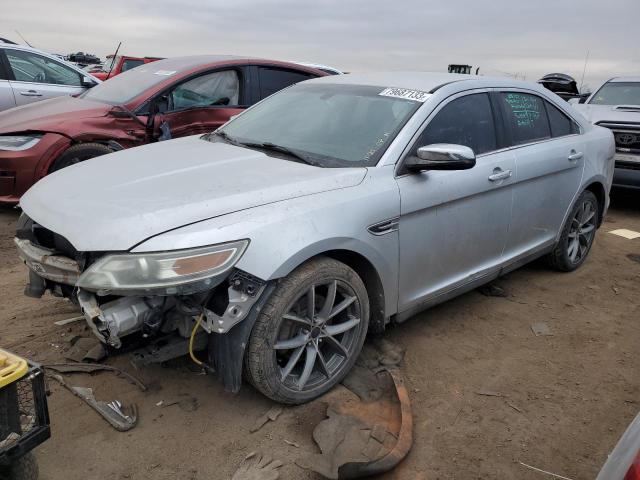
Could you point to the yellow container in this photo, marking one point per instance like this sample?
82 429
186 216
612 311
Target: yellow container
12 368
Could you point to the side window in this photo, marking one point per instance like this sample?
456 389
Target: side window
525 116
464 121
561 125
210 90
273 80
29 67
129 64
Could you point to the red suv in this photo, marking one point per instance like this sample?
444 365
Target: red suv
169 98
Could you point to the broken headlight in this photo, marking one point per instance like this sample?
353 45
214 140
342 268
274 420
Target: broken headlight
16 143
168 273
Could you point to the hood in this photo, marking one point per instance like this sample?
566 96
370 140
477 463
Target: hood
118 200
50 115
609 113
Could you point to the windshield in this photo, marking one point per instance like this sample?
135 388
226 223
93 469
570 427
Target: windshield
110 63
330 125
618 93
128 85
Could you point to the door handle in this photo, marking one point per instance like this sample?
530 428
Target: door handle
30 93
574 156
500 175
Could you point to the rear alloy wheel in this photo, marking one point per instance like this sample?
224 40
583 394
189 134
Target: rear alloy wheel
79 153
577 235
309 333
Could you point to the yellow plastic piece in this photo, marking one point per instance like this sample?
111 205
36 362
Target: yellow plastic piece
12 368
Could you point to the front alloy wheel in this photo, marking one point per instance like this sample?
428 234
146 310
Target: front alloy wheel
310 332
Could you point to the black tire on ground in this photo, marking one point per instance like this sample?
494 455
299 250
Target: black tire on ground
586 210
78 153
336 337
25 468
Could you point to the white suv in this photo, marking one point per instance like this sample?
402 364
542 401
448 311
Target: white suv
28 75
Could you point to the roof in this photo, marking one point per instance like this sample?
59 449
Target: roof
625 79
425 81
196 61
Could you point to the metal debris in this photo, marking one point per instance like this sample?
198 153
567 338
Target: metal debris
488 393
119 417
60 323
272 415
541 329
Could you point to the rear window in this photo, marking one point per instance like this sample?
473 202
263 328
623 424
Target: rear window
525 116
273 80
560 123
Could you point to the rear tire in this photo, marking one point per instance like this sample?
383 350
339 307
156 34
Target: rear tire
25 468
293 356
578 234
79 153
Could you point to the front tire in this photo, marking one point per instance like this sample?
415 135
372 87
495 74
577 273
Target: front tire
577 235
309 333
79 153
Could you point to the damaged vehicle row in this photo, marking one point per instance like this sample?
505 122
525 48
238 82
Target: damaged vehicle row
165 99
322 213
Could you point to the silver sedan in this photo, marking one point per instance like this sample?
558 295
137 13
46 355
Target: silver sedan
326 211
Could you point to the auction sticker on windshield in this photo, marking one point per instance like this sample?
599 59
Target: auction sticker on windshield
407 94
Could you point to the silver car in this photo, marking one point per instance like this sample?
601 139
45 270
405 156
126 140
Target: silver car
28 75
616 105
324 212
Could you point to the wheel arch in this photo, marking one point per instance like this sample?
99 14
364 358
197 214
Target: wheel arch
111 144
598 189
367 264
369 275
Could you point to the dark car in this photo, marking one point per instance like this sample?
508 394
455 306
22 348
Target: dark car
170 98
562 85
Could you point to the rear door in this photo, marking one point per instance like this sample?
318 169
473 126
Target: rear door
549 155
7 100
205 102
36 77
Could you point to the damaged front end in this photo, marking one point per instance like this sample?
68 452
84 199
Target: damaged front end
147 298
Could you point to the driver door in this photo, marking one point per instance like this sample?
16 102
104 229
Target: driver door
36 77
204 103
453 224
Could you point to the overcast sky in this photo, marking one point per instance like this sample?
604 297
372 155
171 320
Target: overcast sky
528 38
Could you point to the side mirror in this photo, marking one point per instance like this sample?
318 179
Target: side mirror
574 101
88 82
442 156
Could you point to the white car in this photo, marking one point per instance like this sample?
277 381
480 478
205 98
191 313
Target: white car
28 75
616 106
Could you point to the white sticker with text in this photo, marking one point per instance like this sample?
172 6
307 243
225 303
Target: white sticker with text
407 94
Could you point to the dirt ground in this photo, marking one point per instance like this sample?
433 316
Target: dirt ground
565 399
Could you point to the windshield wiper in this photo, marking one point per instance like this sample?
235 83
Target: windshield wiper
281 149
223 135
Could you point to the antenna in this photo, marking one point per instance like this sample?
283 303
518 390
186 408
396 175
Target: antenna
113 61
586 59
24 39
